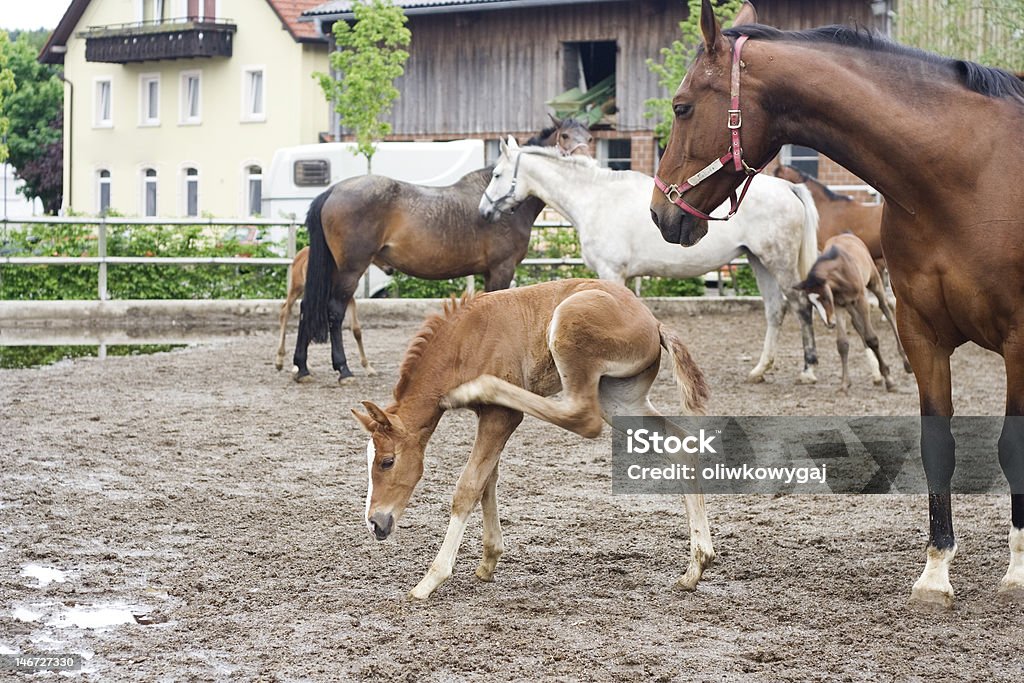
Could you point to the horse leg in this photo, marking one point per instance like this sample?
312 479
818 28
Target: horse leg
300 371
629 396
775 307
1011 458
843 346
860 315
344 288
876 287
357 332
492 541
806 316
286 312
931 370
494 428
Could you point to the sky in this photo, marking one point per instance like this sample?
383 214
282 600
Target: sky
30 14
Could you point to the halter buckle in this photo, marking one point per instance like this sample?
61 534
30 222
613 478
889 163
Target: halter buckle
735 119
673 188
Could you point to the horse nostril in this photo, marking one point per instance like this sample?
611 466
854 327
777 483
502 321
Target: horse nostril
381 525
654 217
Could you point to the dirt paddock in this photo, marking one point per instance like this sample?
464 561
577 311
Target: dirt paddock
220 504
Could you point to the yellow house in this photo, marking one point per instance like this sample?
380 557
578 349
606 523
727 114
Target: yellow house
175 107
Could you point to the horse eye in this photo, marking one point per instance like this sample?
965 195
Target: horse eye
387 463
683 110
565 136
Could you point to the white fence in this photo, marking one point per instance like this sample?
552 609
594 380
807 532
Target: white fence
103 259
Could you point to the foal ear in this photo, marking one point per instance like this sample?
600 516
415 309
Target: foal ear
377 415
746 15
365 420
709 27
555 120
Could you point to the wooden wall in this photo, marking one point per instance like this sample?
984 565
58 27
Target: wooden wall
490 72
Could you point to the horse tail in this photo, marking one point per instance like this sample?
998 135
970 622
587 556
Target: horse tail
692 386
809 238
319 275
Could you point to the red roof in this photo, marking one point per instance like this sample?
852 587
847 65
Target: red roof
290 10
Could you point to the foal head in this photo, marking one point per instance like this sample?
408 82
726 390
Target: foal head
702 132
820 295
394 460
793 175
571 136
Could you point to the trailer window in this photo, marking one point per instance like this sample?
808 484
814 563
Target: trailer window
312 172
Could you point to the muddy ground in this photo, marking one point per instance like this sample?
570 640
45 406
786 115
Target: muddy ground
221 503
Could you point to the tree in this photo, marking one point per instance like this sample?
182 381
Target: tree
32 109
979 30
676 59
370 56
45 172
6 88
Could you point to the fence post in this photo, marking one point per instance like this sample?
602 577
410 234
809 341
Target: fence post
470 284
101 248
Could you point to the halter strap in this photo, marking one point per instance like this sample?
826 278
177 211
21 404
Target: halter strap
512 187
734 122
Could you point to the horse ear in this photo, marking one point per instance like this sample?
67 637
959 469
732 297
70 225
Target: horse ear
502 147
512 144
377 414
746 15
709 27
555 120
365 420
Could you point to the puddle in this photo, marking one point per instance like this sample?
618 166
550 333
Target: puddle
93 617
43 575
31 347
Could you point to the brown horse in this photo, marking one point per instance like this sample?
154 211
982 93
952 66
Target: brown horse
839 213
939 139
840 277
296 286
433 233
502 353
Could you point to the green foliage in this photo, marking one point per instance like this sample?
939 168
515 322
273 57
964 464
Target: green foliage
676 59
663 286
370 56
32 108
7 87
744 282
136 281
982 31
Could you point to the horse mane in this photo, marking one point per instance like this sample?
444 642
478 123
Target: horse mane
453 309
554 153
829 192
985 80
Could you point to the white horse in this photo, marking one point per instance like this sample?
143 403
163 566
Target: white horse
776 228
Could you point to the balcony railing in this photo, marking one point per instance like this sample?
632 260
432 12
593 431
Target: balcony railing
144 41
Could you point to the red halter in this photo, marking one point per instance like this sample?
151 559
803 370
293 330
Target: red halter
674 193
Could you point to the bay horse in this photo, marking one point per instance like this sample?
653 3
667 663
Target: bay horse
776 230
434 233
839 213
296 286
938 138
503 354
840 277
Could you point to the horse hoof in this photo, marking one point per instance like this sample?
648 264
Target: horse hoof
687 583
279 365
343 381
890 387
807 377
906 366
755 379
371 371
485 574
930 599
301 377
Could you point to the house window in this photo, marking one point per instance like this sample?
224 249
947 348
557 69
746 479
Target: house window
152 11
253 95
103 192
254 190
149 100
191 192
191 97
615 154
104 114
201 9
802 158
149 192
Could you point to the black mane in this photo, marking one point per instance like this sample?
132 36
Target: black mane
537 139
985 80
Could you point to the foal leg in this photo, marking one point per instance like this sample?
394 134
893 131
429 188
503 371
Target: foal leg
357 332
860 315
286 312
630 397
875 285
492 541
493 429
843 346
1011 458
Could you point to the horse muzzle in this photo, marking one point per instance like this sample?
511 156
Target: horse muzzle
381 525
678 227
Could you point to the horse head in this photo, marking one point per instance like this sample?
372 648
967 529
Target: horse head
571 136
703 161
394 461
819 293
504 193
793 175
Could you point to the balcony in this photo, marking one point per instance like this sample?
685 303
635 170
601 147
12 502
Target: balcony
154 40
